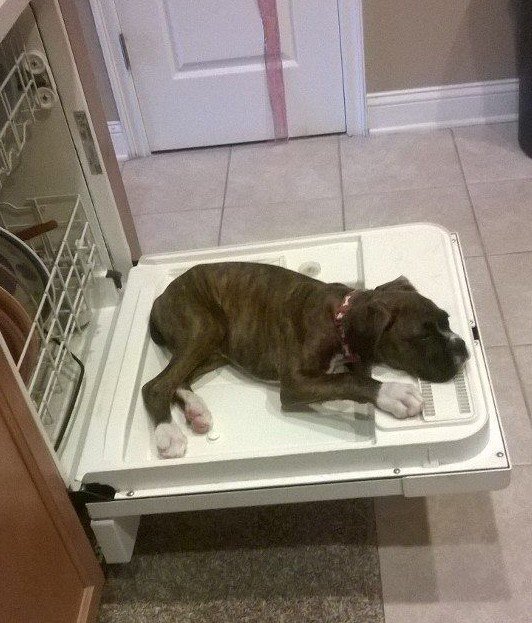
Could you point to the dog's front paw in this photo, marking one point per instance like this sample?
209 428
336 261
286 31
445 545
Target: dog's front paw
171 442
400 399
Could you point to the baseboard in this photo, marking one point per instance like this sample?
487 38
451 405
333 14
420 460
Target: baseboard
118 136
416 109
443 106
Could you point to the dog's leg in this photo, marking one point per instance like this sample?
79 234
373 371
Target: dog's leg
214 361
194 352
157 394
399 399
304 389
196 411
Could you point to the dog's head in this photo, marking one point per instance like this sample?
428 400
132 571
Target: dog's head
397 326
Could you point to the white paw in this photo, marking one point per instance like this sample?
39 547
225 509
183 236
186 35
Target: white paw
196 411
400 399
170 440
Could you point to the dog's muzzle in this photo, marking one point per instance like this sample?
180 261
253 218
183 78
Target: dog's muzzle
458 349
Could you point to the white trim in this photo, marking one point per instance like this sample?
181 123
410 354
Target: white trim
443 106
351 20
119 138
108 28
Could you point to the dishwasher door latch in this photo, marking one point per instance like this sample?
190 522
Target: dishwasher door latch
87 140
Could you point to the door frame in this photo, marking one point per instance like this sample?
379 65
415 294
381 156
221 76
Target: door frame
350 14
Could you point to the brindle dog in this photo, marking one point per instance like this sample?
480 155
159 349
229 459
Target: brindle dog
278 325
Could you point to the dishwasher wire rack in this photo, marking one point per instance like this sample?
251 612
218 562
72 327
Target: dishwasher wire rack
26 86
64 311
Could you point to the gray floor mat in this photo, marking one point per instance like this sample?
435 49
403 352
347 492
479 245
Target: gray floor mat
298 562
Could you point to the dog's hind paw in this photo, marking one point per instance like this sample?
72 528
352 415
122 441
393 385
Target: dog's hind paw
400 399
171 442
196 411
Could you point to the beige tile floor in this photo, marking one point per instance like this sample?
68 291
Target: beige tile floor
462 558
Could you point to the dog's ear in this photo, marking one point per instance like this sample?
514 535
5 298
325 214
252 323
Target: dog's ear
401 283
366 323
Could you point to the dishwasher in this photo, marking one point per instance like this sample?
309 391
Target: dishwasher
91 350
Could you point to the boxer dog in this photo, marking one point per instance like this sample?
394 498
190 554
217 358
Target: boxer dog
317 340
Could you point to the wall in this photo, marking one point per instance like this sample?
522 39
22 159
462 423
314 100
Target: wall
420 43
409 44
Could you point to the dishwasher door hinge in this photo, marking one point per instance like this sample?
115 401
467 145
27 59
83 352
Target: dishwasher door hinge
116 276
92 492
125 53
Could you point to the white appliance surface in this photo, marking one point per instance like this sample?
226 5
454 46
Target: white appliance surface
254 443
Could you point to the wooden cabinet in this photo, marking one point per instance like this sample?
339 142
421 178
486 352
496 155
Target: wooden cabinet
49 571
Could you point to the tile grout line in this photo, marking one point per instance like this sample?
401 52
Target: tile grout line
341 171
509 253
225 194
239 206
405 189
524 345
186 211
493 285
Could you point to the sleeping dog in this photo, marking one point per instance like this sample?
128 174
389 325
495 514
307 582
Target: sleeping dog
279 325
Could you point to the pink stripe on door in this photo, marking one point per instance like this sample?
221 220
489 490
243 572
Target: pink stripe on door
274 66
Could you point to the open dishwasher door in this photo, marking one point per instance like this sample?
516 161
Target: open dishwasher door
258 454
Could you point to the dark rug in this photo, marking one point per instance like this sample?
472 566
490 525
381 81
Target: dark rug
294 563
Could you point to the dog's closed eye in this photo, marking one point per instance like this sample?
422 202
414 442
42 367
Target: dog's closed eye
443 322
420 337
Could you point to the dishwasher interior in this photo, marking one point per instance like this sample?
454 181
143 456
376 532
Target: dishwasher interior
59 273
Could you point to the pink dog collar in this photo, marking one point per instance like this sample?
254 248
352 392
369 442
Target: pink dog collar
338 317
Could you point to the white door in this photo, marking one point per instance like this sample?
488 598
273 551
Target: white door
199 74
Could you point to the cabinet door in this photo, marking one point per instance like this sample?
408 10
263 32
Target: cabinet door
49 572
